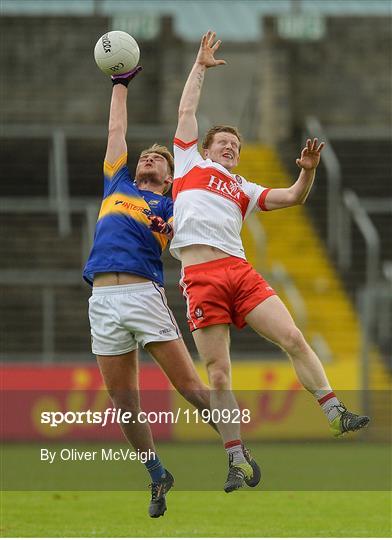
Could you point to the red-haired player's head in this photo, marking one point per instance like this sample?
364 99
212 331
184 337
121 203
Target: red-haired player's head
222 144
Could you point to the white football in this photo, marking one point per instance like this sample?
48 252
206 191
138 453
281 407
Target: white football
116 52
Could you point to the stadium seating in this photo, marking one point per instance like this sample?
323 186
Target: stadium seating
24 177
366 169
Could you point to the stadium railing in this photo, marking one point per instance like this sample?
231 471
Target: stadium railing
345 209
314 128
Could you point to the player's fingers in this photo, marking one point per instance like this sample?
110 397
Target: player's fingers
203 40
212 38
298 162
217 45
308 144
314 144
220 62
320 147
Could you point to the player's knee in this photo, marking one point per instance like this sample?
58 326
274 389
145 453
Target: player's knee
219 377
293 341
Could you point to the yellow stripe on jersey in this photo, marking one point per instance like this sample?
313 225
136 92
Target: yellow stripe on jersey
170 220
118 203
110 169
161 239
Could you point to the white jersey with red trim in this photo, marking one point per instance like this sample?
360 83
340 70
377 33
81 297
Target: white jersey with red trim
210 203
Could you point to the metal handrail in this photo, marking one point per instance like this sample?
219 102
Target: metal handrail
40 277
358 214
60 181
355 211
15 205
377 205
334 183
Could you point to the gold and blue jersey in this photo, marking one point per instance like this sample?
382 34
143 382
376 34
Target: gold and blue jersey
123 241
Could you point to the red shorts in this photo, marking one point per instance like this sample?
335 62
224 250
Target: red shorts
222 292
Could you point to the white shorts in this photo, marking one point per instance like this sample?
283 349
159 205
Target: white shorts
124 315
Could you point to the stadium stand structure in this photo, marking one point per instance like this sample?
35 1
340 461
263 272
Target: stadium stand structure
31 246
24 177
366 169
40 287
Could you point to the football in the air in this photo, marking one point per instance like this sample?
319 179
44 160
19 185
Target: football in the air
116 52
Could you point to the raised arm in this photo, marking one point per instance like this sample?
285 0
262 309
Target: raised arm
118 119
187 123
298 192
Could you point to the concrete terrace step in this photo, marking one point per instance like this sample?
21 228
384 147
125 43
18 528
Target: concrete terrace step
32 241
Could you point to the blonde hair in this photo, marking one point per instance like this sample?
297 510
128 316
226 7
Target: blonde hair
209 136
163 151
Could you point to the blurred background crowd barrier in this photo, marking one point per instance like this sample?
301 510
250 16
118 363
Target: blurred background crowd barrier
294 69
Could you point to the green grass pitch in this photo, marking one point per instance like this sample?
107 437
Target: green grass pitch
214 514
261 512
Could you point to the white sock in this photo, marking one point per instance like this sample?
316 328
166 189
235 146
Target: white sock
329 403
235 453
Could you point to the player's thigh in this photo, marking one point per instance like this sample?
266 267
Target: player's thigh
213 344
272 320
175 360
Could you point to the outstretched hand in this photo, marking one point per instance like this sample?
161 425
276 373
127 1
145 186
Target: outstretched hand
208 48
310 155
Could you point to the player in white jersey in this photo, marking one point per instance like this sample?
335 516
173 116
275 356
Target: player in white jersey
219 285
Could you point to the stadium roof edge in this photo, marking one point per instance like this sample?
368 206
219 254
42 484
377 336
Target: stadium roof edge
232 19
